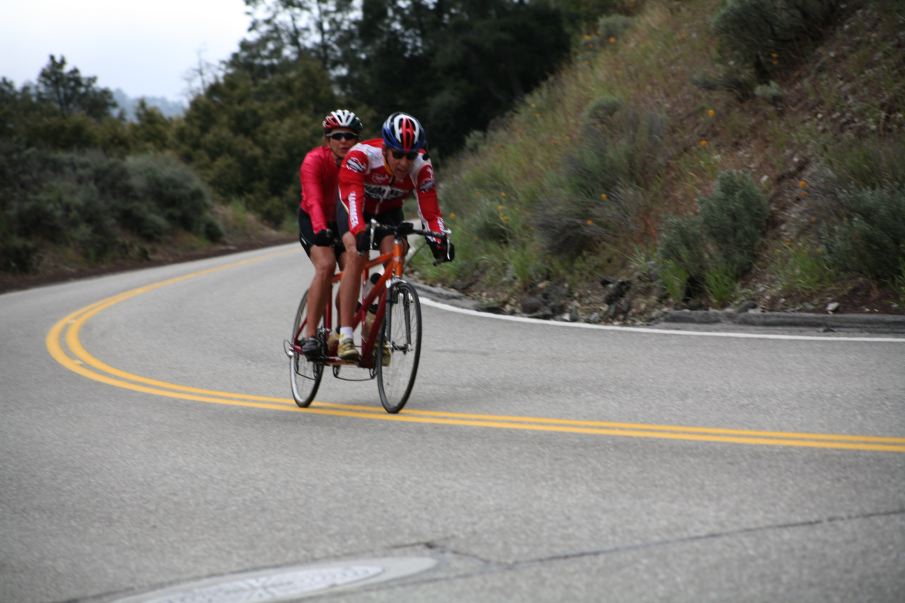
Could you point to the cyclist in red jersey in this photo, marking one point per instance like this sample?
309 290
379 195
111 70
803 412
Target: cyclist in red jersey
375 178
317 213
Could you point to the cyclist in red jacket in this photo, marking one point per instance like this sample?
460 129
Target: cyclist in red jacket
374 179
317 213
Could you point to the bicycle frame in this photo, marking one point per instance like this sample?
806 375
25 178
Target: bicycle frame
394 337
393 263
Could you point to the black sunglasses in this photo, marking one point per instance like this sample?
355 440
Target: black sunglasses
410 156
343 136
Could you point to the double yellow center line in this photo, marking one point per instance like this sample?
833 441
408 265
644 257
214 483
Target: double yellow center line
64 346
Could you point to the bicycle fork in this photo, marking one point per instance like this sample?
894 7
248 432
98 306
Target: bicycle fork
406 304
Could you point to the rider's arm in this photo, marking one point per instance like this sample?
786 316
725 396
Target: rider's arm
426 192
311 174
352 188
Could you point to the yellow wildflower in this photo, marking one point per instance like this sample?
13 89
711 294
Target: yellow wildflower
711 112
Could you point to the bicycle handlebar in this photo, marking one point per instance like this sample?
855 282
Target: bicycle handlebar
406 228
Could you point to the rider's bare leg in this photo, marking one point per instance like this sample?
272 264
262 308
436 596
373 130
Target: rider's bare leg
324 260
349 286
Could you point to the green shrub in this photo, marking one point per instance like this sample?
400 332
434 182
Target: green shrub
565 225
93 204
93 230
212 230
869 237
142 219
273 210
597 194
683 250
44 214
717 246
770 35
860 199
18 256
173 188
734 218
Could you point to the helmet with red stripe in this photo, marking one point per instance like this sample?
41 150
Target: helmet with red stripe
402 132
342 118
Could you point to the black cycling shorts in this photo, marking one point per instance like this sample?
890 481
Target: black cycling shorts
391 217
306 234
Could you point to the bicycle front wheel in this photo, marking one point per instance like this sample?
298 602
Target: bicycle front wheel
401 338
304 375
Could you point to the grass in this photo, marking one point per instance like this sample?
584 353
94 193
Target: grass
526 212
801 268
523 158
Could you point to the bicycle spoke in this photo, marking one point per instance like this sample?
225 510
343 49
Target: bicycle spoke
401 334
304 375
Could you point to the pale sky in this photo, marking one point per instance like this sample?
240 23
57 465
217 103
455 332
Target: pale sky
144 47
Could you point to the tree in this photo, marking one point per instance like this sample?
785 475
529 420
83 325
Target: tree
456 64
71 93
249 131
151 131
490 59
314 27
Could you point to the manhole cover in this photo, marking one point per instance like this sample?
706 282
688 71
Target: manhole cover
285 584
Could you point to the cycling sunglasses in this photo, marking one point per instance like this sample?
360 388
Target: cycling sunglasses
410 155
343 136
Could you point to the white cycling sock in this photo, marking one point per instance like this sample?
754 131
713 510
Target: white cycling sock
345 332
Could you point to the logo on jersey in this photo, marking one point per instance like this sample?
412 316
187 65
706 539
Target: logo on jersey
427 183
352 163
380 178
383 192
353 210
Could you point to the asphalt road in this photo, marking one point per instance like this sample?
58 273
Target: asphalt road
150 441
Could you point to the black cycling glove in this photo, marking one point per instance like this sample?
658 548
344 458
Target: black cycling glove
363 241
443 249
323 238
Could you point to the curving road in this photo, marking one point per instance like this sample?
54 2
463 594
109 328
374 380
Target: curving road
149 441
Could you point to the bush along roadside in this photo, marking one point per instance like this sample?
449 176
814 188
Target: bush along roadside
95 209
862 205
705 255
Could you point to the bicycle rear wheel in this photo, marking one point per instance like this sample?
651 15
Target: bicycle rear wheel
401 336
304 375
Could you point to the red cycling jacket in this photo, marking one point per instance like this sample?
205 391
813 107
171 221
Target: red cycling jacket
366 185
318 174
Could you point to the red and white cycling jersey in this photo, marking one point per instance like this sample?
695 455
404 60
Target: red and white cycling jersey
367 186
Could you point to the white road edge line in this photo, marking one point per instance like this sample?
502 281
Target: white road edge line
650 330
